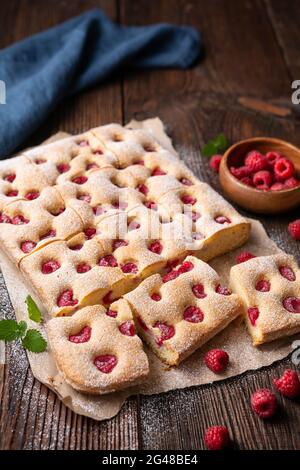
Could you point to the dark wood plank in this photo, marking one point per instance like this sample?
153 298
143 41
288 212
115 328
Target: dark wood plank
31 416
241 52
284 17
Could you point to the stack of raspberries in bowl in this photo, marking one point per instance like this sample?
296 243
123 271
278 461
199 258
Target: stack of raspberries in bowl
269 172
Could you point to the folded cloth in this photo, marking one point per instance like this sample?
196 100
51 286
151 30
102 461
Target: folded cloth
41 70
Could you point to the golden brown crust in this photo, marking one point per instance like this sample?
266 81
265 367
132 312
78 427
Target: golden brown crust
274 320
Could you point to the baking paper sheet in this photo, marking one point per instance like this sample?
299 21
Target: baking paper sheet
192 372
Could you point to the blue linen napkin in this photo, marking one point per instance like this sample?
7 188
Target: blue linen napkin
42 69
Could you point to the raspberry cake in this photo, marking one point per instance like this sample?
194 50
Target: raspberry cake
97 350
88 218
180 311
270 289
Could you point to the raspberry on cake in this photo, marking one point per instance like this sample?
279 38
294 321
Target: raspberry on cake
269 287
97 352
176 321
68 275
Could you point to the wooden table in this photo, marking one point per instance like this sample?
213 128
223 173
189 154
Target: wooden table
252 50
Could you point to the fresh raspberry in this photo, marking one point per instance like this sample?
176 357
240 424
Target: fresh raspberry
90 232
50 266
12 193
80 179
105 363
294 229
111 313
292 304
85 197
52 234
272 157
83 268
193 314
291 183
108 261
288 384
198 291
222 290
98 210
83 143
118 243
194 216
66 299
187 199
142 188
216 360
19 220
255 161
156 247
283 169
287 272
158 172
151 205
170 276
91 166
240 172
156 297
247 180
83 336
186 182
10 178
185 267
214 162
127 328
129 268
216 438
264 403
222 219
63 168
262 180
32 195
253 314
5 219
166 332
244 256
28 246
263 285
277 186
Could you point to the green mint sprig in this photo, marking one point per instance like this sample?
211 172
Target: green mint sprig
217 145
32 340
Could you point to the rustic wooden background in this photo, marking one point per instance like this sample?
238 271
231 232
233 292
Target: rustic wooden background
251 50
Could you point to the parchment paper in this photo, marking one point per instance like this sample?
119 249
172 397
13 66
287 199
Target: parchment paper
234 339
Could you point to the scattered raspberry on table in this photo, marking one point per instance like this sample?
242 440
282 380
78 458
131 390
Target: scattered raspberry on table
216 360
288 384
216 438
264 403
294 229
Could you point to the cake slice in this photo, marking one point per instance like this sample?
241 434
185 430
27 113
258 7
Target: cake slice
179 312
269 287
97 349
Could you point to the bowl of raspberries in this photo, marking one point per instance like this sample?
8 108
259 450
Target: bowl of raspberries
262 175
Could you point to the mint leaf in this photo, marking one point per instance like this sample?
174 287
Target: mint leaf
217 145
34 341
11 330
22 327
32 309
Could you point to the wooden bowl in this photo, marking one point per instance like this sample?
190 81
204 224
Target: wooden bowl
254 200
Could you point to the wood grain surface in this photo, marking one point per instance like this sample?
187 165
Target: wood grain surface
251 50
